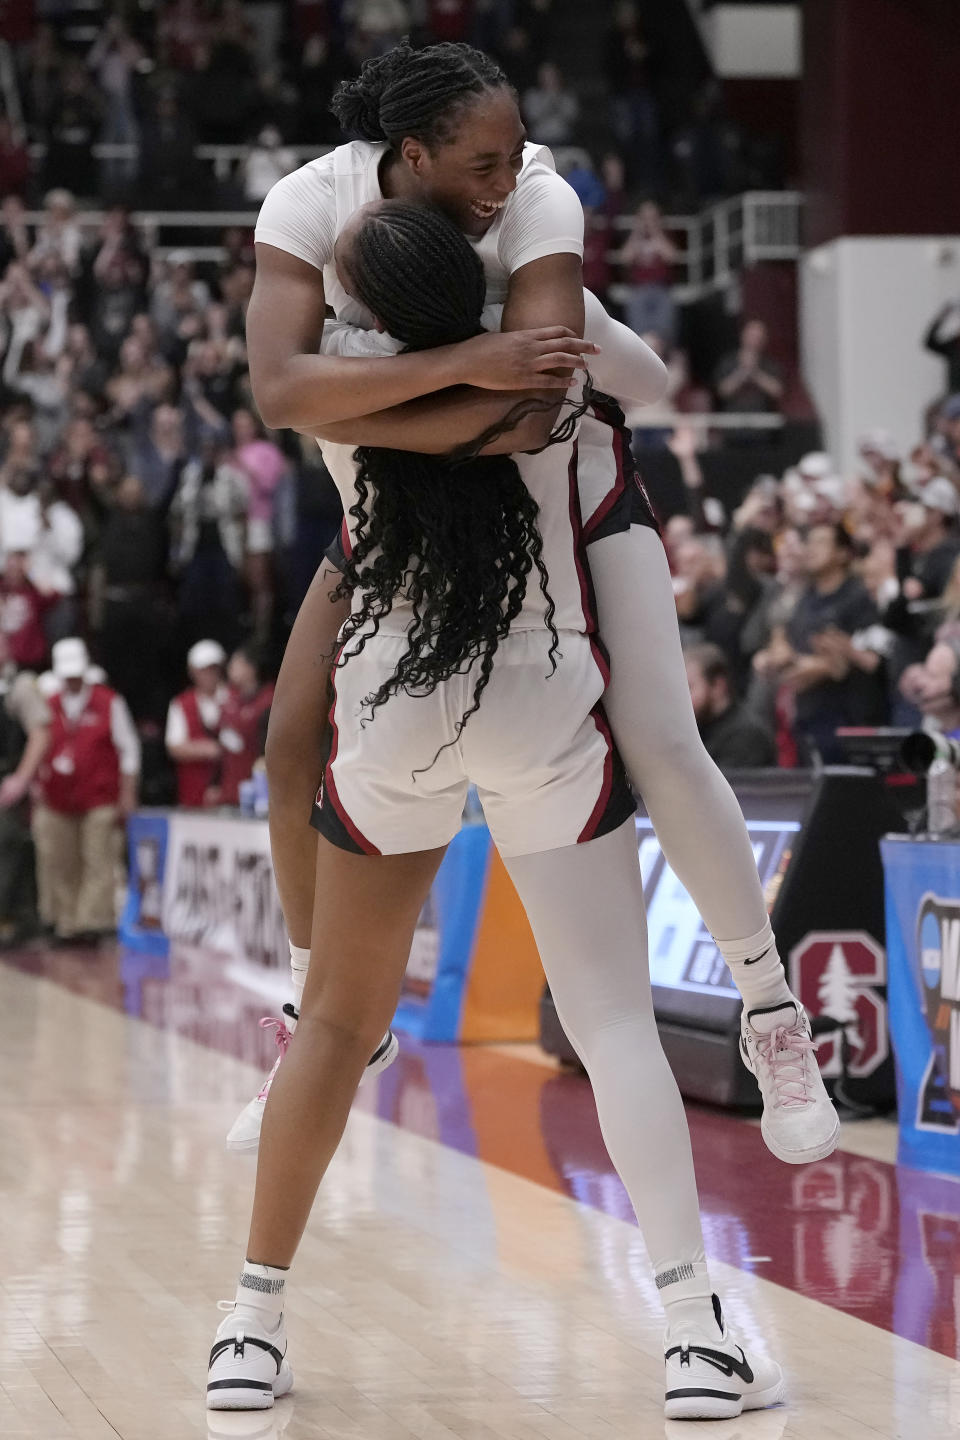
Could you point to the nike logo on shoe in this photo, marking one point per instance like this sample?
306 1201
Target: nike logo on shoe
727 1364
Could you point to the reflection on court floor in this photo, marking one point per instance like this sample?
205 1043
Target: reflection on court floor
471 1269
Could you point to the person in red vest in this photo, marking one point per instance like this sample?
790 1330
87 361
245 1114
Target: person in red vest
87 783
193 727
243 723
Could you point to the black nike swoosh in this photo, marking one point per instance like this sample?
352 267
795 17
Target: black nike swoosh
726 1364
759 957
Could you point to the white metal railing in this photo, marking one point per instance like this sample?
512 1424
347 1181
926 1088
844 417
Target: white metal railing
653 419
718 244
727 237
224 158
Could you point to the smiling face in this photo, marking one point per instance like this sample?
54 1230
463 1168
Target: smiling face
475 172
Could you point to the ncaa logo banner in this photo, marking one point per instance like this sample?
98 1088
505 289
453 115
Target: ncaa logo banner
922 882
938 946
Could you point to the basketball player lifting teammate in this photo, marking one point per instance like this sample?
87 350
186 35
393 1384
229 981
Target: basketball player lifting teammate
442 124
468 602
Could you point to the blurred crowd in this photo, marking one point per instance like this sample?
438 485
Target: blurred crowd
825 601
140 498
159 80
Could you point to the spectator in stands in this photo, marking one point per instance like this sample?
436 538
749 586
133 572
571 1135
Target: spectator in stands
933 688
375 25
19 451
15 164
55 555
550 107
168 176
243 723
88 371
114 58
266 162
943 338
748 381
158 451
516 54
946 440
117 239
137 378
73 127
211 375
449 20
119 296
931 536
699 570
208 518
177 306
629 70
34 368
223 96
649 257
880 457
584 180
80 462
492 19
131 599
193 727
22 608
317 69
734 738
25 308
15 237
42 66
829 691
928 543
24 737
751 563
88 782
265 467
181 29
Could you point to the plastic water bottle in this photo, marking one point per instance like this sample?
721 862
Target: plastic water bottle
941 797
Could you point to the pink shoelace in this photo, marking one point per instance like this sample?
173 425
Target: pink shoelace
283 1038
785 1051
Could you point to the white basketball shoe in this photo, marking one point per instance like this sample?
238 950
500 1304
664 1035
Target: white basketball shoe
248 1367
799 1122
710 1377
244 1133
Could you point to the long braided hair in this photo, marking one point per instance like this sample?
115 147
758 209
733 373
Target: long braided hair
455 537
416 93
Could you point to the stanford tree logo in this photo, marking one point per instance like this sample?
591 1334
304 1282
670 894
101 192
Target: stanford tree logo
835 974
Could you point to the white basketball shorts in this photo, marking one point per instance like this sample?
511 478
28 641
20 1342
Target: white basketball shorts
538 749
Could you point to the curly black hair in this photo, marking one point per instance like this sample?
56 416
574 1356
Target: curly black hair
416 93
455 537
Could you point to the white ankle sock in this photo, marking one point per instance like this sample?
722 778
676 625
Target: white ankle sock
687 1297
299 964
757 969
261 1291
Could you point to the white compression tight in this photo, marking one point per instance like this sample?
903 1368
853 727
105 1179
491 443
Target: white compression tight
586 911
694 813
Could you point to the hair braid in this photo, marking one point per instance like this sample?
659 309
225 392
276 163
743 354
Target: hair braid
416 93
456 538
